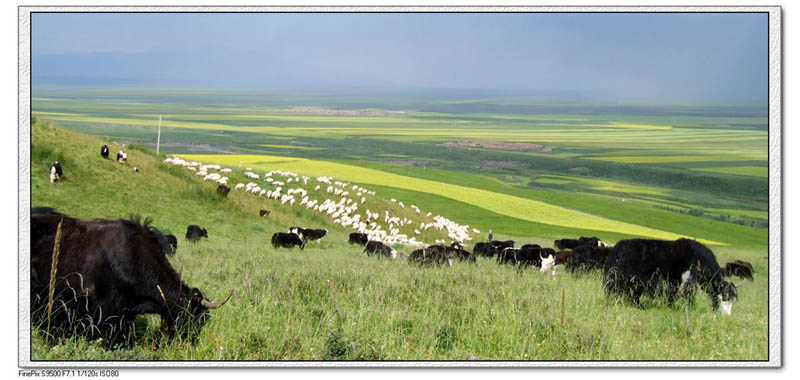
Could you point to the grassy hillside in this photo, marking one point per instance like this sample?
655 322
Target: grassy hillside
330 302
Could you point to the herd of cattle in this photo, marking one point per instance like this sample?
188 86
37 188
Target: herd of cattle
109 271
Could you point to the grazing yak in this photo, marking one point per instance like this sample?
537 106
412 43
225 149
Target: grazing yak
122 157
564 244
108 273
287 240
484 249
500 245
643 266
263 212
56 172
309 233
195 233
223 190
173 243
104 151
379 249
562 257
524 257
456 250
358 238
588 257
433 254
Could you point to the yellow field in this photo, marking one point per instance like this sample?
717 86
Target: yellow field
504 204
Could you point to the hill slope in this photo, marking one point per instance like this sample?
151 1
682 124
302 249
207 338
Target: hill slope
330 302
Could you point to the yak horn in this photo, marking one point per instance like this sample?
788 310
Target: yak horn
213 305
735 285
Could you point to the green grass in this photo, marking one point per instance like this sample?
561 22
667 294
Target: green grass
330 302
753 171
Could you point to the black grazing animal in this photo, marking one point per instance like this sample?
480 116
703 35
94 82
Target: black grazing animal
173 243
456 250
506 255
309 233
500 245
739 268
56 172
358 238
108 272
526 246
433 254
195 233
378 248
484 249
104 151
562 257
643 266
417 256
122 157
223 190
525 257
564 244
588 257
287 240
263 212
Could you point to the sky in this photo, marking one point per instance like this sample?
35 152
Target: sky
712 57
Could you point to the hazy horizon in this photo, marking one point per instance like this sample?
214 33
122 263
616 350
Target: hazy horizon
634 57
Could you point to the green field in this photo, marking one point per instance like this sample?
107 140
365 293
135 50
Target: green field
607 171
345 306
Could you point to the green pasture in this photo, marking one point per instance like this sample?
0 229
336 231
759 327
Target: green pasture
675 154
331 302
753 171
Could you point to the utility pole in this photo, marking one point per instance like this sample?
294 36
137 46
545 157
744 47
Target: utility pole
158 142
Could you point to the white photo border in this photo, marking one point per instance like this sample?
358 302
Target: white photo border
775 154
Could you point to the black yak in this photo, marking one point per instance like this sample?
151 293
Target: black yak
643 266
108 272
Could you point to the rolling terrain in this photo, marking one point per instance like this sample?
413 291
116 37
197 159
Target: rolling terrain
331 302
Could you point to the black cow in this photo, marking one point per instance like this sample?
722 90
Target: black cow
223 190
527 246
108 272
173 243
56 172
484 249
739 268
263 212
195 233
378 248
643 266
104 151
358 238
287 240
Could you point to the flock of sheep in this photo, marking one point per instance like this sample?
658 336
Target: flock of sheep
341 203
